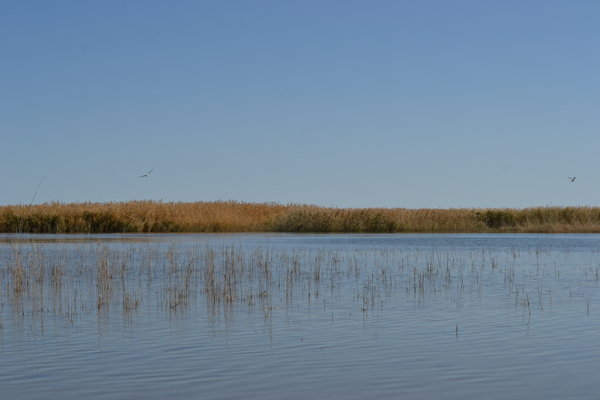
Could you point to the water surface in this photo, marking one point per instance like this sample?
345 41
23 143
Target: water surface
297 316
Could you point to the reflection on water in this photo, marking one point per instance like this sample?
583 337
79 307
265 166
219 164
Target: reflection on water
221 316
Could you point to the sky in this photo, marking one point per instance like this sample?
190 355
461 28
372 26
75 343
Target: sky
412 104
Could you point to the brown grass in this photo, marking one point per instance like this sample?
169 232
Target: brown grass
232 216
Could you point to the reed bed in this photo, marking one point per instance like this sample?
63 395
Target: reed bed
233 216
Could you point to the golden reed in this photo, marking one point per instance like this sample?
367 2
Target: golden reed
233 216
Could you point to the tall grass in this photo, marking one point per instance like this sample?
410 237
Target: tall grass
139 216
232 216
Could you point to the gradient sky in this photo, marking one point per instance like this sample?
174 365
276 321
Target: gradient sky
416 104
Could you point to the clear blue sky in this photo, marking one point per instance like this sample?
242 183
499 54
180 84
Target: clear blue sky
336 103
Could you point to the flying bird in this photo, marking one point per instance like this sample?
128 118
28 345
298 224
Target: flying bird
572 179
146 175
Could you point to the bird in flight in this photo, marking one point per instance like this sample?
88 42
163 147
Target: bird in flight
146 175
572 179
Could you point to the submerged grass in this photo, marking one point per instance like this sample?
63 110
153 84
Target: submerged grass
233 216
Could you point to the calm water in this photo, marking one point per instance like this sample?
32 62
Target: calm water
300 316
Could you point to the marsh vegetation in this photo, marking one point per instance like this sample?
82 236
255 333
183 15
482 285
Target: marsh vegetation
71 280
232 216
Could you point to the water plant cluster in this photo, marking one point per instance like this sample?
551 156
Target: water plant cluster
71 281
232 216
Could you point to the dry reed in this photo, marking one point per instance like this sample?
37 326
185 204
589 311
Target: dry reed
232 216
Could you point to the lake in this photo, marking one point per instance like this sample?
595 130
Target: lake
272 316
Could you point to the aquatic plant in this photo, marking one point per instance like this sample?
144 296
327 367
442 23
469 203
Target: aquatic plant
233 216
